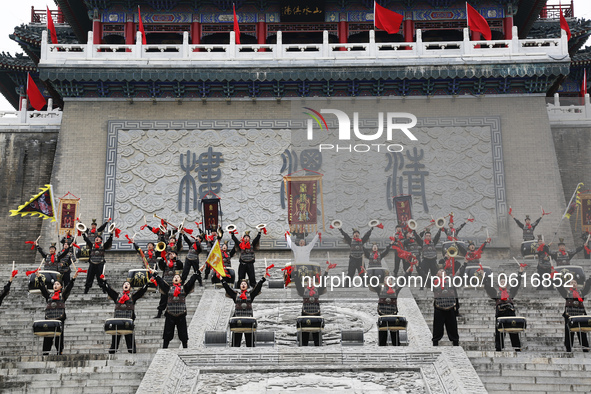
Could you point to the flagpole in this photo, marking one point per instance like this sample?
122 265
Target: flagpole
374 14
566 210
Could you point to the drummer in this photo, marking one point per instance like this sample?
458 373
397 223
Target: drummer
562 256
247 257
574 306
170 266
445 310
388 305
301 251
528 228
55 310
243 307
504 308
375 257
51 260
6 289
471 255
311 303
176 307
93 231
96 261
124 309
66 261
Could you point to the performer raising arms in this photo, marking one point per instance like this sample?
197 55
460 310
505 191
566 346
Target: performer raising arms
192 258
243 307
151 255
51 261
55 310
528 228
96 261
472 255
124 309
247 258
504 308
93 231
562 256
226 260
311 303
429 252
176 307
301 251
170 267
356 253
6 289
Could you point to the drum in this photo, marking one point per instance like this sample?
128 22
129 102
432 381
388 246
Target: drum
47 277
243 324
47 328
529 248
392 323
84 253
380 273
511 324
474 270
230 277
310 323
447 244
577 273
579 323
302 270
137 278
119 326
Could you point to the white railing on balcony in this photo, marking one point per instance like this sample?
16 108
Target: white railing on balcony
575 111
25 119
531 50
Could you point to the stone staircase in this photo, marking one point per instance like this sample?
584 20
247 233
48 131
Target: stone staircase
85 366
543 365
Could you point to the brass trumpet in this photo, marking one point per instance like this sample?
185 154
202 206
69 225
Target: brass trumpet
160 246
452 251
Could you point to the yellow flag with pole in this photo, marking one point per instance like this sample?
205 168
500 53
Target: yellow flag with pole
40 204
215 260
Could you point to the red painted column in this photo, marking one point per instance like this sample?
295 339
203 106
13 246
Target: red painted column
409 30
129 33
97 32
262 34
343 33
195 33
508 28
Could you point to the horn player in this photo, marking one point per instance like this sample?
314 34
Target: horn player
356 251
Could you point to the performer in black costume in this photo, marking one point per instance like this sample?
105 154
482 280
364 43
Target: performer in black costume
51 261
243 306
93 231
226 260
428 264
97 258
247 257
504 308
311 304
563 256
170 266
356 253
528 228
398 240
176 307
388 305
574 306
55 310
6 288
192 258
445 308
124 309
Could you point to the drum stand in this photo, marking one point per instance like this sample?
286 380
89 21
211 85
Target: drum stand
574 330
122 339
54 337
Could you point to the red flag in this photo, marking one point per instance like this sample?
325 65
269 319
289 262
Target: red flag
141 26
34 94
51 27
476 22
564 24
387 20
584 84
236 26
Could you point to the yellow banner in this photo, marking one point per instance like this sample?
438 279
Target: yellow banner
215 260
41 204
